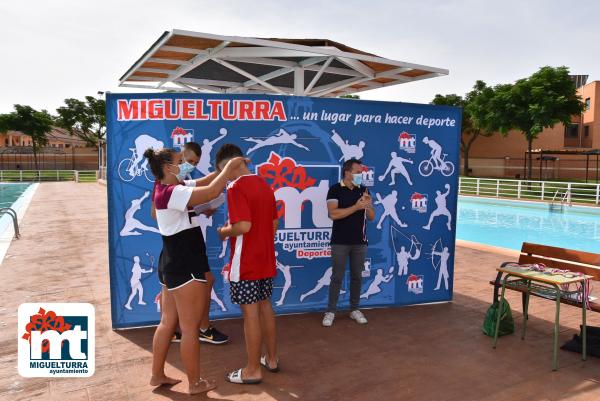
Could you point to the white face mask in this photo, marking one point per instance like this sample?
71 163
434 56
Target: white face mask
178 174
185 168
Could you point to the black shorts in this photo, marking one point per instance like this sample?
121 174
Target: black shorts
247 292
183 259
174 280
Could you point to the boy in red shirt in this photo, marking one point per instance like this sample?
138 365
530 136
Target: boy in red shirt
251 229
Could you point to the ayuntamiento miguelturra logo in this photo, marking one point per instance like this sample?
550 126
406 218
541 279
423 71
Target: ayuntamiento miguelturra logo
56 339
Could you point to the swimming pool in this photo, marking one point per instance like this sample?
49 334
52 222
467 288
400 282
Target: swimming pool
16 196
9 193
508 224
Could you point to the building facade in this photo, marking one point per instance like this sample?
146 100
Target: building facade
503 156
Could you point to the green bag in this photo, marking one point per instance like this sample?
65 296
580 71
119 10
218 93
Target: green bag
507 324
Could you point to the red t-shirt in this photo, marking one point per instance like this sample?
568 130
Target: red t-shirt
250 198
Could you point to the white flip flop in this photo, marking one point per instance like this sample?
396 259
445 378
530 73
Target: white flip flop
236 377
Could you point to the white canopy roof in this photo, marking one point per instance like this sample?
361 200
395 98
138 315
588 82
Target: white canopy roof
201 62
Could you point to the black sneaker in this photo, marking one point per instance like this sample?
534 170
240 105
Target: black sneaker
213 336
176 337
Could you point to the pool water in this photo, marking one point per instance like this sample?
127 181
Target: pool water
9 193
508 224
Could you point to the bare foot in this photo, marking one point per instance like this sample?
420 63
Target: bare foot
162 380
248 374
202 386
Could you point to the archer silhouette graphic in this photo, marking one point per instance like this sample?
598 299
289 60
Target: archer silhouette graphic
443 253
402 255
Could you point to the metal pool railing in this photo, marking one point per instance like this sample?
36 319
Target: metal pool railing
11 212
575 192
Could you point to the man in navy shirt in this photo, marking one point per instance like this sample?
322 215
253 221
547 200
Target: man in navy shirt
350 206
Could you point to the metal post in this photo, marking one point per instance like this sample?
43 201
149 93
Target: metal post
587 166
556 330
76 176
543 185
298 81
526 310
569 193
584 296
21 175
597 193
499 310
477 187
519 189
497 188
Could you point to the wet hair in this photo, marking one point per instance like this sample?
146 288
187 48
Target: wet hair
226 152
194 147
348 164
157 159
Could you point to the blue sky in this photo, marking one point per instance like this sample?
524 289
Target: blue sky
52 50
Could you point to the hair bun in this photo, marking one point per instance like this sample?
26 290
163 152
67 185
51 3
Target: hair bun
149 153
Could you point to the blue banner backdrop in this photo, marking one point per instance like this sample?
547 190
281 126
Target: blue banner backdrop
410 154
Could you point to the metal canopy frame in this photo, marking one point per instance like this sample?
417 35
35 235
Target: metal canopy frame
186 61
587 153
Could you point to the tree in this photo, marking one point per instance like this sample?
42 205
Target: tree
85 120
31 122
546 98
474 121
349 97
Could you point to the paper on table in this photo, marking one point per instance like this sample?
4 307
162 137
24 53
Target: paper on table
213 204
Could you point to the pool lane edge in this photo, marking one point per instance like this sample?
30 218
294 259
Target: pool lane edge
478 246
20 206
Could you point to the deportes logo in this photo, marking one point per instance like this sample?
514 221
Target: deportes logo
181 136
419 202
56 340
368 176
407 142
415 284
301 194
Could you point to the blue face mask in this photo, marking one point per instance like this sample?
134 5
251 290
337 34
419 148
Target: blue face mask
184 169
357 179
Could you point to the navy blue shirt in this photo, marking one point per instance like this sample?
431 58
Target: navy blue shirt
352 229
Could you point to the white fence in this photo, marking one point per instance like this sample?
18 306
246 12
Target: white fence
531 190
47 175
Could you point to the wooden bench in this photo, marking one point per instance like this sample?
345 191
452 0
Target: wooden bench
558 258
551 287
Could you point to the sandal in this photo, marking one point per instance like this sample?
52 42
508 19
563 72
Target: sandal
236 377
263 362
